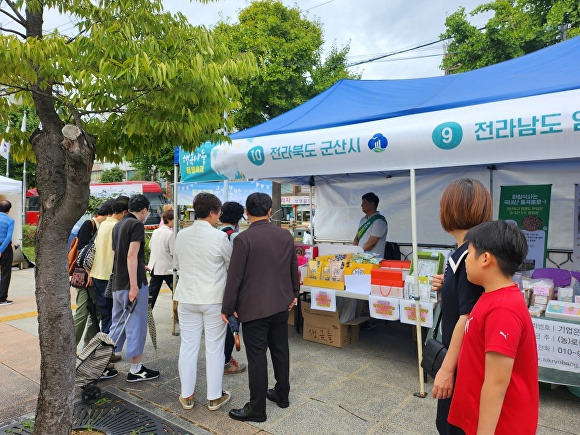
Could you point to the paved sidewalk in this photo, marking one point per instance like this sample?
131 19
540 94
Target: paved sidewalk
366 387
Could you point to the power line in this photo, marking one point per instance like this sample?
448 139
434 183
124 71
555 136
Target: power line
321 4
374 59
411 57
356 57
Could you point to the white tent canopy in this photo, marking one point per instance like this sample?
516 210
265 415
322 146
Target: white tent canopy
12 191
8 185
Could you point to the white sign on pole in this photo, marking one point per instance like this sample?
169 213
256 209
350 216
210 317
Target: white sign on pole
558 344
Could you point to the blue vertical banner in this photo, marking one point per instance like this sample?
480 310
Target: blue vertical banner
176 156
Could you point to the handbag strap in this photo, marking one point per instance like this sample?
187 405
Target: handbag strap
96 231
436 329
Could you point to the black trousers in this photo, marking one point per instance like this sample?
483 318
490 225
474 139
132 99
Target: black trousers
229 346
155 286
443 426
6 267
259 335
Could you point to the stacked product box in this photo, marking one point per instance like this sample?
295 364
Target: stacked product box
388 279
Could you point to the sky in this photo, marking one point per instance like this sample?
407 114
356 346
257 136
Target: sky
372 27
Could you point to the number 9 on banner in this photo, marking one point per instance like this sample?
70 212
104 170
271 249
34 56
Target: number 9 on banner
447 135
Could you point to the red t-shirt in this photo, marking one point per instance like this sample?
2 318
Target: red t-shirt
499 322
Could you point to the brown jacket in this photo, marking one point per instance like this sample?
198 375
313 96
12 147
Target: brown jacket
263 273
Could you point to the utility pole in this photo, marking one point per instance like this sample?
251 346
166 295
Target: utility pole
563 33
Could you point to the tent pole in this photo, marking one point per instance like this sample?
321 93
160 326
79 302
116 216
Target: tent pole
175 231
24 193
311 226
421 392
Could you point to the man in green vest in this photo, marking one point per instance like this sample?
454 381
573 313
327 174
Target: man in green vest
372 228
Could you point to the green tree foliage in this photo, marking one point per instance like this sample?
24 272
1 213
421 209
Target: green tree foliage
154 167
128 77
21 151
517 27
112 175
288 48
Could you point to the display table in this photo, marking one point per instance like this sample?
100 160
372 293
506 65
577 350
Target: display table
306 289
558 343
339 293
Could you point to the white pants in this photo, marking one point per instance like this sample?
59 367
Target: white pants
193 319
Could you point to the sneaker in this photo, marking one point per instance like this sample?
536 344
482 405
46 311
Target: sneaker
108 374
187 403
6 302
234 367
115 358
216 404
142 375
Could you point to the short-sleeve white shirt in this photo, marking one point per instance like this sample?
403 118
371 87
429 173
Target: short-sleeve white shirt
378 228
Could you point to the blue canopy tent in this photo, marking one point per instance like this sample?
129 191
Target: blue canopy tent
522 110
517 122
553 69
522 115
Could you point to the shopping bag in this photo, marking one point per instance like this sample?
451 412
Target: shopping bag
79 278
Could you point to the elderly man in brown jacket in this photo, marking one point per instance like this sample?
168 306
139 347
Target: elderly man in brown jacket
262 287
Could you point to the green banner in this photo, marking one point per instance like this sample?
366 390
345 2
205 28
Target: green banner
529 208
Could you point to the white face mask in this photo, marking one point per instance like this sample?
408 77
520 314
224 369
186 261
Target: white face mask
144 215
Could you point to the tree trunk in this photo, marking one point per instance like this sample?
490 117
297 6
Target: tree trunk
63 170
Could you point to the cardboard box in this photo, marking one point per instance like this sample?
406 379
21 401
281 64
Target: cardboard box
324 327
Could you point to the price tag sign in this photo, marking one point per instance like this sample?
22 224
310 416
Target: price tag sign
558 345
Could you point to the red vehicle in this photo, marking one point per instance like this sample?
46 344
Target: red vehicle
32 207
150 189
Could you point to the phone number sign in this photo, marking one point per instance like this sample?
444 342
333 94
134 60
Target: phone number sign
558 345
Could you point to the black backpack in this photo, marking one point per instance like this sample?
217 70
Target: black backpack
392 251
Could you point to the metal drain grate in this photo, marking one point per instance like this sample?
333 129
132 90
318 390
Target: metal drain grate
111 415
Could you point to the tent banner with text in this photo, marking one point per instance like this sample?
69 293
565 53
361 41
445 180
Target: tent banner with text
528 207
538 128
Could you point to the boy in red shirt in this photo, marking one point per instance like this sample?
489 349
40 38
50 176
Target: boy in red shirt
497 376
